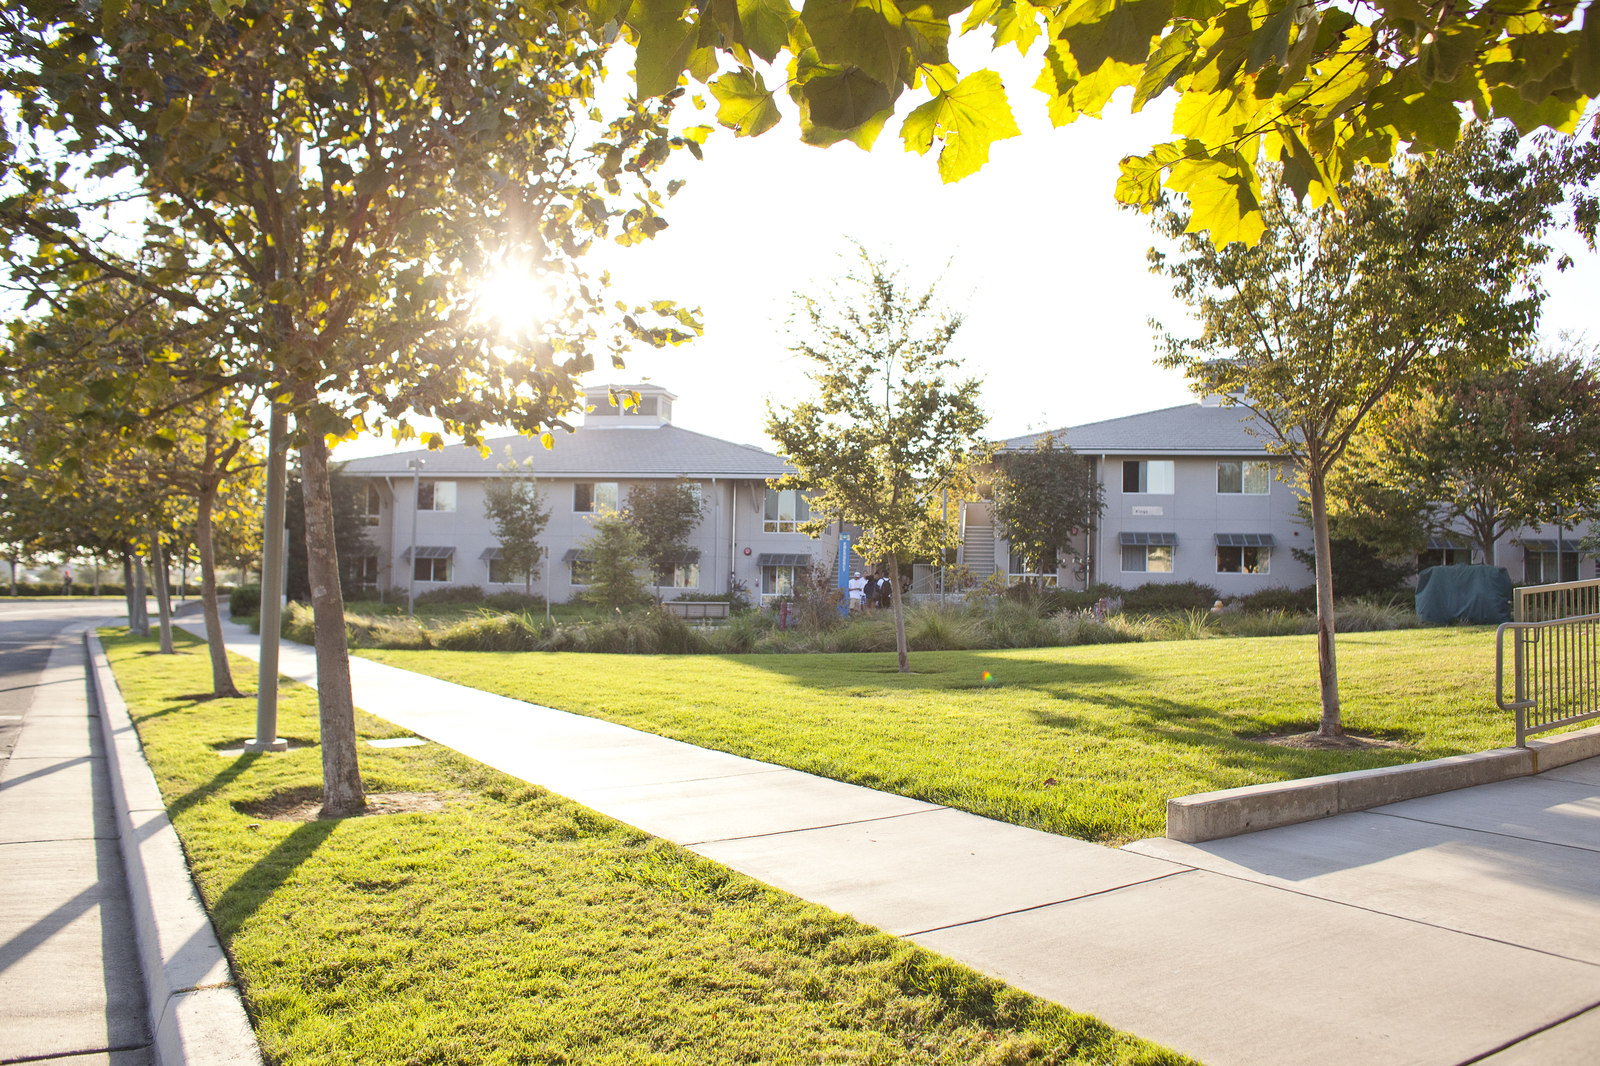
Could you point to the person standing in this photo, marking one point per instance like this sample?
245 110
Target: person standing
858 586
869 593
66 581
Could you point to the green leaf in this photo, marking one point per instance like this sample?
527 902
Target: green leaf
1270 44
747 106
1586 53
844 99
1120 30
766 26
1222 198
869 34
1446 52
1560 115
1169 62
967 118
665 44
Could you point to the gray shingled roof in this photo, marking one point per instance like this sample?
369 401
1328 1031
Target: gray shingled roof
1192 428
666 451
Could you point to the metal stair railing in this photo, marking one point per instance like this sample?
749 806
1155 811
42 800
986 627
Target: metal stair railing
1555 673
1566 599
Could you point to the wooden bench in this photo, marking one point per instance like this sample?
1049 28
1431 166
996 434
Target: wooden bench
693 609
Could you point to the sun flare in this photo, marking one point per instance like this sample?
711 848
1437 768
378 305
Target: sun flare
513 300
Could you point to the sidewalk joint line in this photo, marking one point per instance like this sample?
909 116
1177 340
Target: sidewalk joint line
75 1054
678 781
1486 832
1052 903
808 828
1402 917
1529 1035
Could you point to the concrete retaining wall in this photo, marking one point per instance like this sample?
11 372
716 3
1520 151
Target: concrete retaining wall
1231 811
196 1016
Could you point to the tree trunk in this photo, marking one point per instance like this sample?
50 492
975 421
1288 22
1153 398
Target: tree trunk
342 793
899 613
158 564
138 612
221 673
1327 665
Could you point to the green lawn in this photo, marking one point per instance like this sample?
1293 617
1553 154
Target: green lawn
1087 741
518 927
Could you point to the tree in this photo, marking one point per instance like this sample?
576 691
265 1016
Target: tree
348 497
1042 498
512 502
1426 273
1498 449
615 553
664 513
1358 568
330 190
886 429
1316 90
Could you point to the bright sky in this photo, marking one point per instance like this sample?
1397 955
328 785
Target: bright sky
1050 272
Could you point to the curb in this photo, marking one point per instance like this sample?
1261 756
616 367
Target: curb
1232 811
196 1015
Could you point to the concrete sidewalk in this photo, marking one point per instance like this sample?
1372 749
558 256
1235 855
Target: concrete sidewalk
1443 930
70 981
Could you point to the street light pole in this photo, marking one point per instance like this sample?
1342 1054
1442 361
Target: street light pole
416 466
273 550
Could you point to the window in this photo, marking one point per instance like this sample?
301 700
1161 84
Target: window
683 576
1252 477
374 504
431 569
786 509
777 582
1238 559
436 496
1153 476
363 572
582 571
1019 571
591 497
1539 567
1444 557
1147 558
500 573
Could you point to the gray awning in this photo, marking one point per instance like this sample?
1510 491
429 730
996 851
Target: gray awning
1246 540
488 554
365 551
778 559
1448 542
429 553
1568 547
688 555
577 555
1158 539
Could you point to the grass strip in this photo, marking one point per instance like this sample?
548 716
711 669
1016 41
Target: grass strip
515 926
1088 742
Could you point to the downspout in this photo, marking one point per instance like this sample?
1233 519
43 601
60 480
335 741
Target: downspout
1100 530
733 530
716 521
394 514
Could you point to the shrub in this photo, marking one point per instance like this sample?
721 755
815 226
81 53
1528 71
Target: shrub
246 599
1281 599
816 601
513 601
1054 601
1272 623
1365 616
1169 596
453 594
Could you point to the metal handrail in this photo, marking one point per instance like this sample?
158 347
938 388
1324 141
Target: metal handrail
1564 685
1559 593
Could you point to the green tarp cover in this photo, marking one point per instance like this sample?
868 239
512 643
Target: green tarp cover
1478 594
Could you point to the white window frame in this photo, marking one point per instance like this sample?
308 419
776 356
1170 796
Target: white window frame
597 491
684 576
374 510
1148 469
775 522
777 593
1016 576
583 579
1248 469
436 493
432 564
1167 550
1263 559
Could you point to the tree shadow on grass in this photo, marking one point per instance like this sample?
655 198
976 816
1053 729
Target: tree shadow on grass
224 778
256 885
